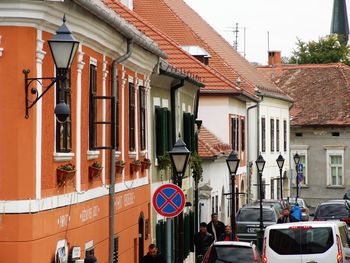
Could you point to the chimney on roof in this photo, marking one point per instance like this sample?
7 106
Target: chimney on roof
340 25
274 58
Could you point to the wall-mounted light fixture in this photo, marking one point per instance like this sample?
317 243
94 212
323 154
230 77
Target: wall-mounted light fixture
63 47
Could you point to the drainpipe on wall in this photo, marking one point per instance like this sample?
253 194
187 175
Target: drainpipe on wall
249 167
173 108
115 63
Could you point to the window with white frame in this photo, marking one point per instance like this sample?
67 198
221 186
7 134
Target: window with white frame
335 166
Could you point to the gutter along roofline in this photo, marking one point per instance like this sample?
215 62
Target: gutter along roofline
99 9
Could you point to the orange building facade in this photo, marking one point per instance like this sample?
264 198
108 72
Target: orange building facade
40 211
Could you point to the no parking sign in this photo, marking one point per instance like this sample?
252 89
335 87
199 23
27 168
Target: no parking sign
168 200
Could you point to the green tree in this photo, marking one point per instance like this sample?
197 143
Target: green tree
326 50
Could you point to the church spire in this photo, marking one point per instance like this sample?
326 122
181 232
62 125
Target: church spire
340 25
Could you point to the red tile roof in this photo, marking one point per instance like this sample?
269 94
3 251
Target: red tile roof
321 92
178 20
209 146
176 56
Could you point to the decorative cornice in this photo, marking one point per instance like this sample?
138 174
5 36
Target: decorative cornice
104 69
40 53
81 62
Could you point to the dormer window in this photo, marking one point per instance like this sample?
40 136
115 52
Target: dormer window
199 53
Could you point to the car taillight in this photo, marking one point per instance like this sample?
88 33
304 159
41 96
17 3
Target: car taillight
346 220
340 253
264 258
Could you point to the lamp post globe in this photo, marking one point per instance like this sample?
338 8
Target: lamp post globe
280 163
179 157
63 47
296 158
260 164
232 162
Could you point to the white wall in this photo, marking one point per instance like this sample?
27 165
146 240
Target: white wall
276 109
216 174
215 111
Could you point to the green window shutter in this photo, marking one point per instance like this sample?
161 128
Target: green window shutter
193 142
165 128
192 230
160 136
187 130
187 237
170 131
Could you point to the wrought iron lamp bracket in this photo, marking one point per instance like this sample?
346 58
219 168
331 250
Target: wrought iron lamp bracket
28 84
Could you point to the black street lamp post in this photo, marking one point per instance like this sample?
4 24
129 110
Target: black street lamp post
63 47
296 161
232 164
180 157
280 162
260 164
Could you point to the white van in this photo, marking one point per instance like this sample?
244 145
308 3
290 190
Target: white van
306 242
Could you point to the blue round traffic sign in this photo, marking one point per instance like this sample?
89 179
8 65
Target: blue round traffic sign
168 200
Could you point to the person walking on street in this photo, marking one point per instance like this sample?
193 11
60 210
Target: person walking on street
296 212
228 235
216 227
286 217
153 255
202 241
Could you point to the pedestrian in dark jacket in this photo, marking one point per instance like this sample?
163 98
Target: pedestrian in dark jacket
202 241
228 235
286 217
153 255
216 227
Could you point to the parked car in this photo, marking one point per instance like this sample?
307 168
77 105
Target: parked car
248 221
278 204
333 210
305 211
233 252
305 242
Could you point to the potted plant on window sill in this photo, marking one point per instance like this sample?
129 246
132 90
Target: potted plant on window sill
146 163
65 173
95 170
119 166
135 166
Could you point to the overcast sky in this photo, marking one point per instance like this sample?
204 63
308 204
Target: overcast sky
285 20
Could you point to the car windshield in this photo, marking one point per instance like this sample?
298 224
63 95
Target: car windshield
301 240
253 215
332 210
231 254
